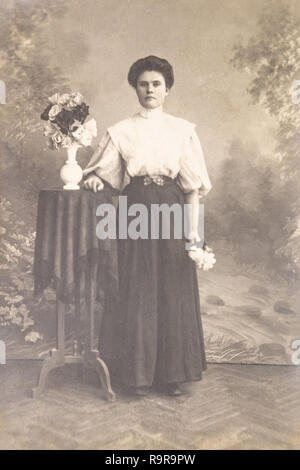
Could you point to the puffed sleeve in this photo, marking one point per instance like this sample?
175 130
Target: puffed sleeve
108 163
193 172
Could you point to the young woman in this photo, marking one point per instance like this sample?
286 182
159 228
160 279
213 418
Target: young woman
155 335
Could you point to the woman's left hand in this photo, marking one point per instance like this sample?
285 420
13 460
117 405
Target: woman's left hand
94 183
193 237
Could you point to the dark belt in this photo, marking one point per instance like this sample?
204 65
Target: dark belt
160 180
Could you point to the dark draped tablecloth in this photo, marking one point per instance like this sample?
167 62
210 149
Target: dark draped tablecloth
67 245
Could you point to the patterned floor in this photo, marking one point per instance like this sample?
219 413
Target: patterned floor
233 407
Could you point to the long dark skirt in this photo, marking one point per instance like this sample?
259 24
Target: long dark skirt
153 331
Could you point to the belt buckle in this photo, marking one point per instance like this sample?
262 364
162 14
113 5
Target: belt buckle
157 179
147 180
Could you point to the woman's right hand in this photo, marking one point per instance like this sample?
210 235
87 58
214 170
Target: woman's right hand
94 183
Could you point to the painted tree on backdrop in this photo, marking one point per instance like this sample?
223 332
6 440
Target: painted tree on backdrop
30 79
271 58
27 75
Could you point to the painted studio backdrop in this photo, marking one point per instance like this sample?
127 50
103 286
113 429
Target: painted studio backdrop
235 65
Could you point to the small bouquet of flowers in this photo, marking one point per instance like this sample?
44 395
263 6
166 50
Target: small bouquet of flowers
65 121
202 256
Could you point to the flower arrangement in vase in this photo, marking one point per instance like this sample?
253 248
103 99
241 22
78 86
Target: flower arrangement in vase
65 127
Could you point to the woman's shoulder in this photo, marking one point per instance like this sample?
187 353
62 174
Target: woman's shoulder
124 124
122 131
180 124
128 125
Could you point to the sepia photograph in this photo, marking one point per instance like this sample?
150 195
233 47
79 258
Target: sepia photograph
150 227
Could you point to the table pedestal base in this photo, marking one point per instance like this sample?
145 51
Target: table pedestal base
89 356
89 359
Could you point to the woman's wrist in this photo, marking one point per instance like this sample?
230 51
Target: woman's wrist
193 236
87 175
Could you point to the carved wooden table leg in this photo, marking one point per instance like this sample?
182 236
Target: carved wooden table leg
93 359
56 357
91 355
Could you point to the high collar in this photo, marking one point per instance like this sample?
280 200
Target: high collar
155 113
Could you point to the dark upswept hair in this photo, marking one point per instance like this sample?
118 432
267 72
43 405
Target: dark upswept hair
150 63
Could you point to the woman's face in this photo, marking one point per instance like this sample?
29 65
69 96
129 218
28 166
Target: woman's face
151 89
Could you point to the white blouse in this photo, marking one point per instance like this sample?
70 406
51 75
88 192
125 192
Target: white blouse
151 142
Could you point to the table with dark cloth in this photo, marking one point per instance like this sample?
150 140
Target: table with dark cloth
67 245
67 251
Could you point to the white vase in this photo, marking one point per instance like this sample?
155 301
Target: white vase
71 173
